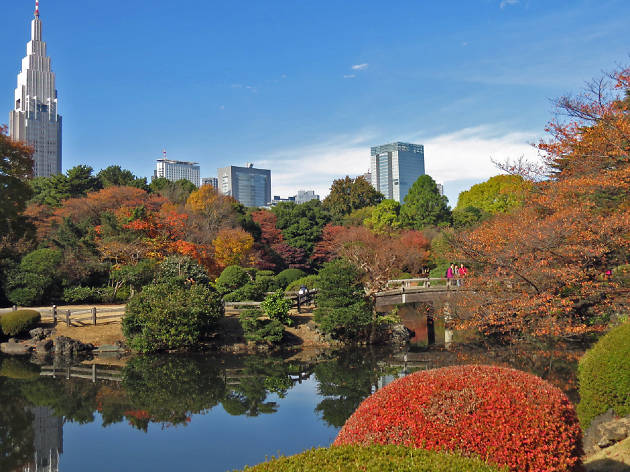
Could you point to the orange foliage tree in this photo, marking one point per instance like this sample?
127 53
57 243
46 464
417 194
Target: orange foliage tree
549 267
233 247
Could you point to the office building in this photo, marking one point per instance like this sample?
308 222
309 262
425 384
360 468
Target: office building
34 119
212 181
250 186
395 167
304 196
177 170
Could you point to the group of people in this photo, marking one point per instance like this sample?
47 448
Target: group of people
457 273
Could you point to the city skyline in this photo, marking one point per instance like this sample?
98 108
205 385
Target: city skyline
470 80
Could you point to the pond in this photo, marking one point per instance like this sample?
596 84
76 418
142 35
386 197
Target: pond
214 413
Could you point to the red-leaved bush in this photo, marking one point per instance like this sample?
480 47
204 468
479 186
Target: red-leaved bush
505 416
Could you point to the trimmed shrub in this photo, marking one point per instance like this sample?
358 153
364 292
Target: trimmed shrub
169 316
266 283
81 294
310 281
264 273
232 278
505 416
248 292
372 459
17 322
258 329
34 281
287 276
277 307
604 376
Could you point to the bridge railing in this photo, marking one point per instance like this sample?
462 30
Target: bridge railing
425 282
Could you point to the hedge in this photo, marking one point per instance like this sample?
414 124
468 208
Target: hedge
372 459
310 281
18 322
604 376
505 416
287 276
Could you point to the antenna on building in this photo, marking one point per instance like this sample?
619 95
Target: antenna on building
37 8
164 153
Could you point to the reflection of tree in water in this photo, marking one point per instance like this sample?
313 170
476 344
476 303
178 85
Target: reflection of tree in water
248 387
345 382
16 427
169 389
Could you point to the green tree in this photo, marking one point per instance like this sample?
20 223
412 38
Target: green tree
357 217
498 194
232 278
385 218
342 310
76 182
302 224
170 316
424 206
347 195
34 280
176 192
468 216
113 176
182 267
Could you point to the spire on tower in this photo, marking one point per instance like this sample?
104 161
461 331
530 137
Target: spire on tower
36 8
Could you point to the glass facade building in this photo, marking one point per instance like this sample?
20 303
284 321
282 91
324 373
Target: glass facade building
250 186
395 167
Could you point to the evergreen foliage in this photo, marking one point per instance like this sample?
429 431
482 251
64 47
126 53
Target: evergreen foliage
424 206
373 459
276 307
342 310
604 376
259 329
284 278
170 316
347 195
232 278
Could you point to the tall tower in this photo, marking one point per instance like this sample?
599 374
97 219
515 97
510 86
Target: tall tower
395 167
34 120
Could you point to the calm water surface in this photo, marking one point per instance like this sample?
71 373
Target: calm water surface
212 413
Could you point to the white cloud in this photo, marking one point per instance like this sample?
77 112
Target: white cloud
360 66
349 76
462 155
505 3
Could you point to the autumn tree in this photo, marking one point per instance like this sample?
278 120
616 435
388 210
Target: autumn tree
542 268
348 194
16 167
233 247
379 257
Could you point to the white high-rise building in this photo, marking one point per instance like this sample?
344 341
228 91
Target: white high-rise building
177 170
34 120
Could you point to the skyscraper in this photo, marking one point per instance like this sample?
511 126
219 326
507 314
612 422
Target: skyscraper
250 186
34 120
395 167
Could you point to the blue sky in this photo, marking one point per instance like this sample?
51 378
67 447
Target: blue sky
306 87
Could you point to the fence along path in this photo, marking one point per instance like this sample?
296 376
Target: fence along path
83 316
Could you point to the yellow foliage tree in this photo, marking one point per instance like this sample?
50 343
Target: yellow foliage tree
233 247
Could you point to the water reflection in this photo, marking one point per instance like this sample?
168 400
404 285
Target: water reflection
247 407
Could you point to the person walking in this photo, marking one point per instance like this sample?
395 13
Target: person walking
450 275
